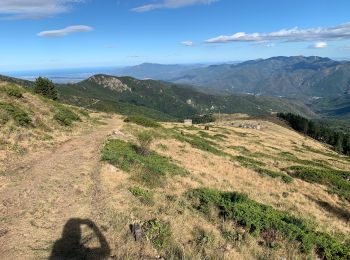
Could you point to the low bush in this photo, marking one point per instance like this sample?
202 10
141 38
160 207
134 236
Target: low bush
13 91
143 121
203 119
249 162
274 174
292 158
65 116
145 139
144 196
4 117
240 149
202 238
8 111
152 168
158 233
219 137
257 166
337 181
198 142
258 219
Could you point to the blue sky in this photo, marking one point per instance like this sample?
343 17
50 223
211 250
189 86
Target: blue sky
50 34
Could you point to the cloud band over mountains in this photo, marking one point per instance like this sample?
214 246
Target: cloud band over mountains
339 32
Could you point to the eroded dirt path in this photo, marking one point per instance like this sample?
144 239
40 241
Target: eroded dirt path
45 190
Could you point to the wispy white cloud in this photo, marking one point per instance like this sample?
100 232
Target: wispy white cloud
66 31
319 45
170 4
21 9
338 32
110 46
187 43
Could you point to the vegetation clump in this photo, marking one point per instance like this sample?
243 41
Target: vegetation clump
337 181
46 88
13 91
198 142
8 111
143 121
150 170
258 219
203 119
143 195
158 233
65 116
145 139
258 167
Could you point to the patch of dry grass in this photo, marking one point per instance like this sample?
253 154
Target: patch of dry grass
301 199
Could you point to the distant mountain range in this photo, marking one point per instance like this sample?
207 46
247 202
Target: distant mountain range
291 77
309 86
322 84
156 71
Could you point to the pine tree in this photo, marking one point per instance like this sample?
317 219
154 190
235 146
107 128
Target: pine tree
46 88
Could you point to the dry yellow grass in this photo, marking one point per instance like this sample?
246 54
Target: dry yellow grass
208 170
68 180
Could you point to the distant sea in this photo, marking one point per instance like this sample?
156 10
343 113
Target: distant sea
63 75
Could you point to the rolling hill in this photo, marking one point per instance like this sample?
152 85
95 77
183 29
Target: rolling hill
163 100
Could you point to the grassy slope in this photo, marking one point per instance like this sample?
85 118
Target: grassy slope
230 159
28 121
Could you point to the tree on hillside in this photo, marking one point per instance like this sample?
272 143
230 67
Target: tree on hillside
45 87
338 139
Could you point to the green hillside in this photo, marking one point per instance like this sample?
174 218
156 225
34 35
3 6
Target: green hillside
163 100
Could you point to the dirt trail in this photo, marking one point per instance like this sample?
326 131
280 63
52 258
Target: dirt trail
43 192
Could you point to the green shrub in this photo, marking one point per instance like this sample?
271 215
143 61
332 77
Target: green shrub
158 233
46 88
274 174
257 218
249 162
292 158
13 91
65 116
336 180
240 149
203 119
144 196
198 142
143 121
203 238
20 117
219 137
153 168
4 117
257 166
145 139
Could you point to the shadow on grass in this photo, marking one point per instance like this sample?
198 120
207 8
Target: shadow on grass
339 212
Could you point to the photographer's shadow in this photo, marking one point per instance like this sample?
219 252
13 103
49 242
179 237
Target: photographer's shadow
71 246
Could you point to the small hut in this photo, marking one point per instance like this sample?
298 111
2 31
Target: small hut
188 122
